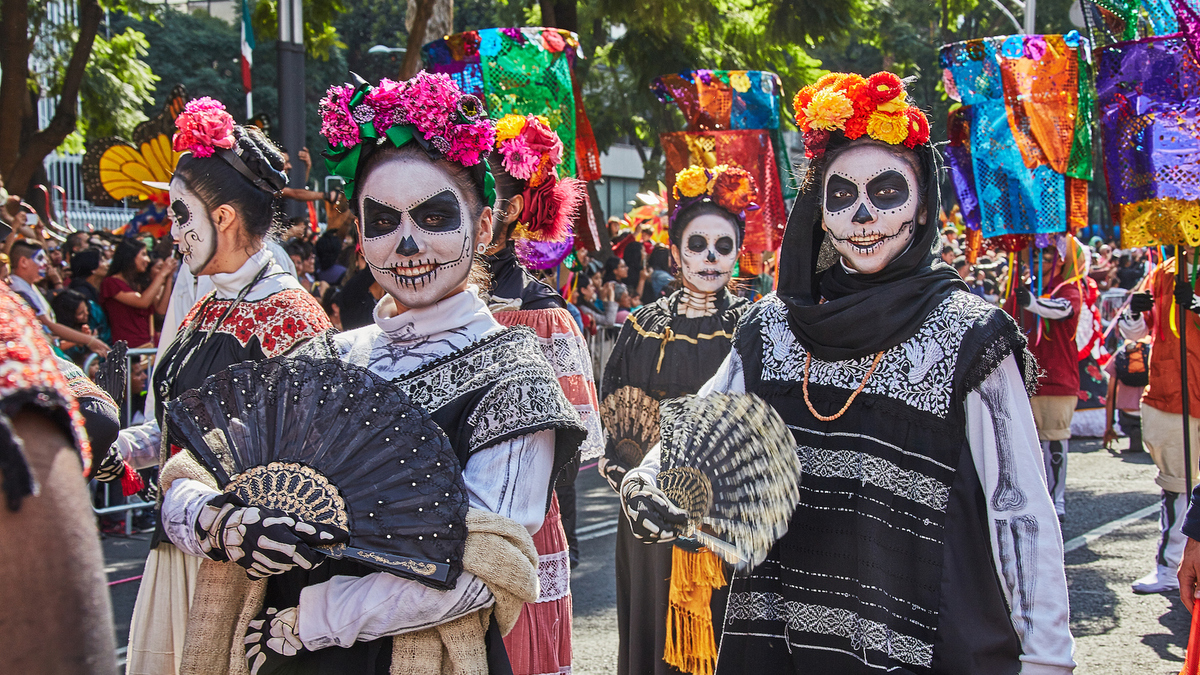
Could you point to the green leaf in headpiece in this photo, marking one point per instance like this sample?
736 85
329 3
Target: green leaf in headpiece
400 135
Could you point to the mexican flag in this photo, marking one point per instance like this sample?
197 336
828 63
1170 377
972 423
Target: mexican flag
247 46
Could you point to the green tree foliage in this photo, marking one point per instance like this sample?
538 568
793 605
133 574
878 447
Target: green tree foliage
320 34
633 42
202 53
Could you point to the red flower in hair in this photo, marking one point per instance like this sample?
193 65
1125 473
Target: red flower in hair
918 128
734 189
856 126
814 142
884 86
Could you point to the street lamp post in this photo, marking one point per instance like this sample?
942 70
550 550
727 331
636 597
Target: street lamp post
291 90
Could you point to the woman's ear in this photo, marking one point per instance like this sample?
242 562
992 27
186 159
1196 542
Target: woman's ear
675 259
513 209
224 217
483 229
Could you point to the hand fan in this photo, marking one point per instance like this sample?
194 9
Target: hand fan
730 462
630 417
113 374
333 443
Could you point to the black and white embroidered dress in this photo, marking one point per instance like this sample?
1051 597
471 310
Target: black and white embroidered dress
925 540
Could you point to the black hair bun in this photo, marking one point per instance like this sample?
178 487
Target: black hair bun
262 157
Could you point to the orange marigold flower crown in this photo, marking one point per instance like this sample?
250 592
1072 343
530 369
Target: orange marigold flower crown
729 187
875 106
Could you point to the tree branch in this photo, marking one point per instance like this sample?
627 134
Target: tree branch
14 92
62 124
416 39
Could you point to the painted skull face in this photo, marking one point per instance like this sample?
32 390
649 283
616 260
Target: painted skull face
870 207
708 250
192 228
415 231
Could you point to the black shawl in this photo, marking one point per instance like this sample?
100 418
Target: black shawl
862 313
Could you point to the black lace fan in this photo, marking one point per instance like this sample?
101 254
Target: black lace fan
113 374
730 462
630 417
333 443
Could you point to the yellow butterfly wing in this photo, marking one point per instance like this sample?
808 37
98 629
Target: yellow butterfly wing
124 169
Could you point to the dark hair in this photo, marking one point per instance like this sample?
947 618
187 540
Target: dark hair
611 265
123 260
23 248
328 247
216 182
660 259
298 248
694 211
581 282
947 249
468 179
74 236
64 305
85 262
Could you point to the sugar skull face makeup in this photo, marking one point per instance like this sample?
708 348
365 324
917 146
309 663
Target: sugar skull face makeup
870 207
415 231
191 227
708 249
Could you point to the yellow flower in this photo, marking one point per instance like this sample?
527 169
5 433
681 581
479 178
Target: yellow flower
828 110
691 182
888 127
739 81
898 104
509 126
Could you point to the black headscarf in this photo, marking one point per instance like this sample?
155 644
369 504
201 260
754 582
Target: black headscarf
862 313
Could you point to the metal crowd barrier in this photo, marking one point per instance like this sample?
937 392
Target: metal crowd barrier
126 415
130 355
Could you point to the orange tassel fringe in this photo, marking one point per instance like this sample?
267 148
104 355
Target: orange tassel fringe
691 646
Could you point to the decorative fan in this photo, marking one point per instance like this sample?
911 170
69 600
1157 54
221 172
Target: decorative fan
333 443
115 168
113 374
631 418
730 462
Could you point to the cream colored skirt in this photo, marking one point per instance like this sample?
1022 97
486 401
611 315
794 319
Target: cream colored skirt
161 612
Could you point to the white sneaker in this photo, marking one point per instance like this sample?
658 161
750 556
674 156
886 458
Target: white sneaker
1160 580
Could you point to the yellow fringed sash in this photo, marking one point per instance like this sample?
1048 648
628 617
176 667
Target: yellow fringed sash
691 646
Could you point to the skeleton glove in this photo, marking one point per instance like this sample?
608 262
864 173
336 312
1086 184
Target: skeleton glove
652 517
613 472
271 637
264 541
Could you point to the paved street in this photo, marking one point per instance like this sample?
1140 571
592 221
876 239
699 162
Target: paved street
1116 631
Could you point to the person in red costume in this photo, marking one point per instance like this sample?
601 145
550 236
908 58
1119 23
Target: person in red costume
1150 313
1050 319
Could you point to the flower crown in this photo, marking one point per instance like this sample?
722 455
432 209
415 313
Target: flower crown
203 127
728 187
876 106
531 151
428 109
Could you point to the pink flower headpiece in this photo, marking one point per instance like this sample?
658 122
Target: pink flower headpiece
204 127
428 108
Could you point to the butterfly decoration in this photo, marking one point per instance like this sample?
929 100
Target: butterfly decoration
115 168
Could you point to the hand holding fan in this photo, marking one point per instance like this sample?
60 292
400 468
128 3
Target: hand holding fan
333 443
631 419
730 462
113 374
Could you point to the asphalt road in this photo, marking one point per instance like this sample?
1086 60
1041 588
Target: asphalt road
1115 630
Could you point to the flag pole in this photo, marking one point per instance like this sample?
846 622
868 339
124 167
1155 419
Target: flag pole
1181 267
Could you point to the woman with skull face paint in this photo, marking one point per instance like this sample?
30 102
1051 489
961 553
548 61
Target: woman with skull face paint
925 540
669 348
422 194
533 203
224 202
